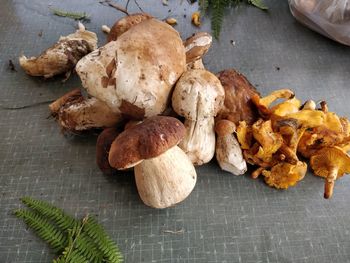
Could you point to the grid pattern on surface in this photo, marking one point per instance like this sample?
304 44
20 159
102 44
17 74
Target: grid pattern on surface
226 218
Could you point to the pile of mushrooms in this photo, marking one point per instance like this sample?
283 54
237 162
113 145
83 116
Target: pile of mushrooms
162 112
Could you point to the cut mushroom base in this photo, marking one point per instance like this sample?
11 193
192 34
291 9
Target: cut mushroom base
165 180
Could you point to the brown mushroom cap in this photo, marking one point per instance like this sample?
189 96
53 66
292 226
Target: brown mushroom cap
125 23
197 46
224 127
238 93
197 95
103 145
146 140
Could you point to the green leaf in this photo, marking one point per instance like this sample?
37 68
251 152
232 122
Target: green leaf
258 3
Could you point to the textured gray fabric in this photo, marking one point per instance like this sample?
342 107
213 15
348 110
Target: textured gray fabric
226 218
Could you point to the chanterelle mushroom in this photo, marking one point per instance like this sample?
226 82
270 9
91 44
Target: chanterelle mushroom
198 96
228 152
135 73
330 163
164 174
63 56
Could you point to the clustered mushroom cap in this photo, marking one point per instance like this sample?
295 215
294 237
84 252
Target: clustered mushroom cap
146 140
135 73
197 95
125 23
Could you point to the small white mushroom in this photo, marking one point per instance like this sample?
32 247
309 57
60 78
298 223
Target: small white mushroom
198 96
228 152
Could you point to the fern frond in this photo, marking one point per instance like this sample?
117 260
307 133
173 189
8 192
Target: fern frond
58 216
203 5
104 243
43 227
218 7
78 241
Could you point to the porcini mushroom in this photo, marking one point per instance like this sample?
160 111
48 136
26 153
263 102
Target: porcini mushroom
330 163
164 174
238 105
198 96
196 47
135 74
63 56
228 152
74 112
125 23
103 145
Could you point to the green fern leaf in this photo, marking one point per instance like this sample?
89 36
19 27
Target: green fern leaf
203 5
78 241
258 3
43 228
218 7
104 243
58 216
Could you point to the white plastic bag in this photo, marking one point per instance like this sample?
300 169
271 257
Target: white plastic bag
328 17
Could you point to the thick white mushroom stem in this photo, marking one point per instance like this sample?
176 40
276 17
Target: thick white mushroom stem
330 180
85 114
199 141
228 151
165 180
229 155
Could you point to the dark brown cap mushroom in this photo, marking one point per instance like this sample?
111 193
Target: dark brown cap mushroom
146 140
164 174
238 93
103 145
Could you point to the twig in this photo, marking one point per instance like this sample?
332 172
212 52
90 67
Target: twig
26 106
181 231
138 6
116 6
127 4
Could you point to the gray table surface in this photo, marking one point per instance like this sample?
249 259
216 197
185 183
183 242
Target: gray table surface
226 218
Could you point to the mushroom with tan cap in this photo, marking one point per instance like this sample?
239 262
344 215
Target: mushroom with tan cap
75 113
228 152
164 174
135 74
330 163
198 96
238 105
61 57
124 24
